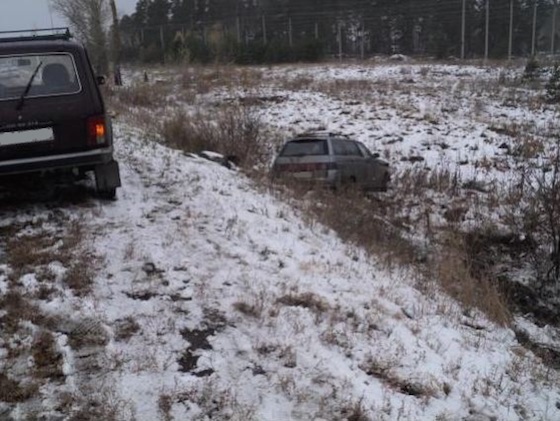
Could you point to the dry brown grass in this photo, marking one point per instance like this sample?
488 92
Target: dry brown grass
384 372
383 226
368 223
12 391
126 328
414 182
205 79
454 270
47 360
18 309
79 277
234 132
360 89
24 253
305 300
251 310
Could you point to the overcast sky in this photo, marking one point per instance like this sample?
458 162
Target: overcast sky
33 14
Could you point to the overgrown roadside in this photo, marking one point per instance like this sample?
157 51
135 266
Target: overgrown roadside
214 301
436 222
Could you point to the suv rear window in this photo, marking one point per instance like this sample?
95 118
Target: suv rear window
55 75
305 147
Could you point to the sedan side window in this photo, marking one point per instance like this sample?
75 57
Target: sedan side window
351 149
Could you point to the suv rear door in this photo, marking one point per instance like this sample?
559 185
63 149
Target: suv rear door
304 158
49 107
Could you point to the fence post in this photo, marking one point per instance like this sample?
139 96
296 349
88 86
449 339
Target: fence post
486 36
510 44
553 31
316 30
463 18
264 29
162 39
533 39
363 40
238 29
339 41
290 39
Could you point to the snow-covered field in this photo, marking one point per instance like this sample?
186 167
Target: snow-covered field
211 299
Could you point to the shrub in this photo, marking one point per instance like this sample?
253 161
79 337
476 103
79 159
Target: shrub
531 69
151 54
235 132
535 213
553 86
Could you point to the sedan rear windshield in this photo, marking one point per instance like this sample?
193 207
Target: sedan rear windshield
306 147
46 75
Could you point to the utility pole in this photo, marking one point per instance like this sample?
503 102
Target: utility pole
533 39
487 31
463 30
510 45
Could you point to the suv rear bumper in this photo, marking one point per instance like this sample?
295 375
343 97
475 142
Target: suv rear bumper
88 159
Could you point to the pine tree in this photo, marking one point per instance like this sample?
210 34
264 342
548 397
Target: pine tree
181 11
140 16
158 12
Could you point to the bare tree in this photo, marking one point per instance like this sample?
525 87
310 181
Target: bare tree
89 21
116 44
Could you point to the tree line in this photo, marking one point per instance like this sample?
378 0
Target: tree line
285 30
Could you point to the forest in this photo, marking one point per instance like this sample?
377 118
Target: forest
250 31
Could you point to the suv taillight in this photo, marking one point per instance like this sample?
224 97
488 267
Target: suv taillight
97 131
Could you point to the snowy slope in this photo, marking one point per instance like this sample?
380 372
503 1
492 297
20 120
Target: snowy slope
360 335
214 300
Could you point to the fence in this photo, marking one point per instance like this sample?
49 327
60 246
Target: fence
460 31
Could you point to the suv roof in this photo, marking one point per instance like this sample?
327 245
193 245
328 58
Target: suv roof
38 40
51 34
320 134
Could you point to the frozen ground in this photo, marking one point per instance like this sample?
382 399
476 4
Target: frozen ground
212 299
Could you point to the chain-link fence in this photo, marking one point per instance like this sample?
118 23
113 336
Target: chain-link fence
458 29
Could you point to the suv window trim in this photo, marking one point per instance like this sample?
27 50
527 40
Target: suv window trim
36 54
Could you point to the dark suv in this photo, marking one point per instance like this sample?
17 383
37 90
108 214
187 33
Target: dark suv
52 115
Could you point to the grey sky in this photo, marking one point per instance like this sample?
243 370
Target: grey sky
33 14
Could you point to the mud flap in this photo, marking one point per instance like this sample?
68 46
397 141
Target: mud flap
107 177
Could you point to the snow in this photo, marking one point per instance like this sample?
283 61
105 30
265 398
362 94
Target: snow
191 246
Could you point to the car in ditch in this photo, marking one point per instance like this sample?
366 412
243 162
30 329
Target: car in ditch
52 113
332 160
